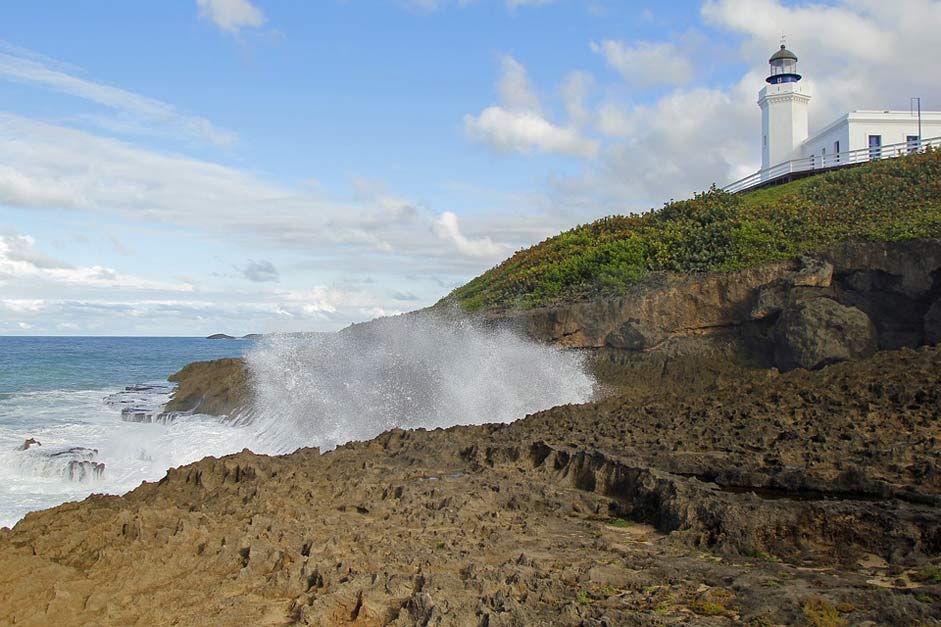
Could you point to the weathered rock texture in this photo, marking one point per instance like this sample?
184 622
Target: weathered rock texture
220 388
774 501
820 331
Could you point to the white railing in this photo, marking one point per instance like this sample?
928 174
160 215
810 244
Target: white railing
828 161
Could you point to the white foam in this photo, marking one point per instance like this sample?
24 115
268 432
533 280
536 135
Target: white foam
324 390
131 452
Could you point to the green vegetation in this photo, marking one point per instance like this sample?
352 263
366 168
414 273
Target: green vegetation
819 612
620 523
928 574
888 200
713 602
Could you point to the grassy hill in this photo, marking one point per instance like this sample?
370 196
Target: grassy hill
888 200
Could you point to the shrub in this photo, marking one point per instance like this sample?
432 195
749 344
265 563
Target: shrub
888 200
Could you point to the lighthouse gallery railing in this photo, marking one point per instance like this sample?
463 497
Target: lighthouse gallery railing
830 161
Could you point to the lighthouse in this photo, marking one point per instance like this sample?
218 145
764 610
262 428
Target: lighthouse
783 103
787 152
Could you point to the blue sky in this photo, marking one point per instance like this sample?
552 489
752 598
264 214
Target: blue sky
187 167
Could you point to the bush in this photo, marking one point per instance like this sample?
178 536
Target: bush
889 200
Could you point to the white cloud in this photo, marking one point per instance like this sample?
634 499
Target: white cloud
20 261
23 305
49 166
647 63
575 92
231 15
516 92
518 124
525 132
446 227
137 113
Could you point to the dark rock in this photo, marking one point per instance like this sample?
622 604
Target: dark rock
821 332
933 323
633 335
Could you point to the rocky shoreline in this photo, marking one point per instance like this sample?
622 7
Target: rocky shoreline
707 487
809 497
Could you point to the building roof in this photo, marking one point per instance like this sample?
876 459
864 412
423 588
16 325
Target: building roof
783 53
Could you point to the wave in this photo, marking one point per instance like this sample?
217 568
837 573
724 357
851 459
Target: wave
407 372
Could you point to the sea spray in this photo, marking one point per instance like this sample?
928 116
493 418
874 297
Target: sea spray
409 371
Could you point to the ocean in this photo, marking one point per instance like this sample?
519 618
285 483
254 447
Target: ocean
68 392
92 404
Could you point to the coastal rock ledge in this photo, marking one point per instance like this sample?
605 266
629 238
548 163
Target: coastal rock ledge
811 497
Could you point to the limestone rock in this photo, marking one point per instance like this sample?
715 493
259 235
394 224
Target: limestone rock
821 331
813 273
633 335
773 297
933 323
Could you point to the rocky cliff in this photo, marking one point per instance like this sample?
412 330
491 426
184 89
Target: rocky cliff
698 331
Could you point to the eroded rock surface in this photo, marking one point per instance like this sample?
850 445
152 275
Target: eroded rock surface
772 501
821 331
220 388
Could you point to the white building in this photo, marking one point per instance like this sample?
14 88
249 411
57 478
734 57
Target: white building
787 148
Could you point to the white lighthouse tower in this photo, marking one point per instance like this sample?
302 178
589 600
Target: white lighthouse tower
783 103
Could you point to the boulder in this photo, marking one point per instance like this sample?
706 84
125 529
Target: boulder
633 335
28 443
813 276
818 332
933 323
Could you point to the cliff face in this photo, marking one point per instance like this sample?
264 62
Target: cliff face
696 331
893 283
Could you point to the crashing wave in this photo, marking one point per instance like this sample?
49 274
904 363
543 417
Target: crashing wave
74 463
409 372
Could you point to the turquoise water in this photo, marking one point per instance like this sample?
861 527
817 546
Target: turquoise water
30 364
68 392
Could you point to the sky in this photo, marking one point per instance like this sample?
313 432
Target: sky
186 167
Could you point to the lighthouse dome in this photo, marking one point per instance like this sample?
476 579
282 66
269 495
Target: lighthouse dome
783 67
782 54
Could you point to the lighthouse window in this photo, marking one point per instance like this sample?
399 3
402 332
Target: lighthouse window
912 143
836 150
875 146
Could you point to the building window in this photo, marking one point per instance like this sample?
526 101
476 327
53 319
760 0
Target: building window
764 141
836 150
875 146
912 143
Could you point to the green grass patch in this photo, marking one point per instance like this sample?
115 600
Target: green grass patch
818 612
620 523
889 200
